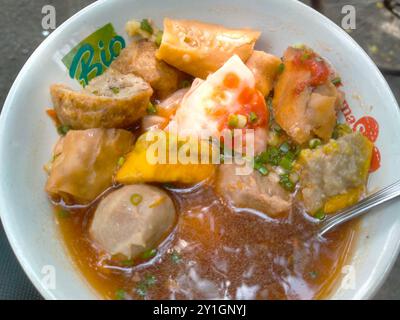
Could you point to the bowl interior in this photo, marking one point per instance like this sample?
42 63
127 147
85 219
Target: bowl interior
27 134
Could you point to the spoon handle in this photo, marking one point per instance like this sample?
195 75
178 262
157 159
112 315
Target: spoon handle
373 200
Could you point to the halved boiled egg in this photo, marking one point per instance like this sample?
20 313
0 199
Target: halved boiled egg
227 99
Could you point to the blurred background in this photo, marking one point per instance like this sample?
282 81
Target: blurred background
377 31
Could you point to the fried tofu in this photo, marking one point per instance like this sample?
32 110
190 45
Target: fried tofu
111 100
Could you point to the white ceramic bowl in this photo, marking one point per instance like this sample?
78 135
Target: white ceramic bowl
27 135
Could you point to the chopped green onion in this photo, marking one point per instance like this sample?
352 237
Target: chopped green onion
149 254
313 274
286 183
115 90
141 289
150 280
341 129
127 263
262 169
144 285
281 68
276 128
136 199
269 103
121 161
305 56
175 257
62 213
313 143
151 108
286 163
273 156
337 81
233 121
284 147
253 117
96 92
158 39
146 26
63 129
320 214
120 294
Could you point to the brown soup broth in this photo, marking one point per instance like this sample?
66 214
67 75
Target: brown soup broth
215 252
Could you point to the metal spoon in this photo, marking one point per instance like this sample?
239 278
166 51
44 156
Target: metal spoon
360 208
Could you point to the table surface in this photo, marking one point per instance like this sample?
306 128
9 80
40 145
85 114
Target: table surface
22 33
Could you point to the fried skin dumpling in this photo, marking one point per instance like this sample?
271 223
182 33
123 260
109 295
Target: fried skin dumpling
265 68
252 191
334 175
85 163
111 100
199 48
305 100
139 58
132 219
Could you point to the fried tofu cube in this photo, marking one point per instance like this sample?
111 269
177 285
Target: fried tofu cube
140 59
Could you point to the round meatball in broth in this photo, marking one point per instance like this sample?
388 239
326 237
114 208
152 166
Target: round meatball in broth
132 220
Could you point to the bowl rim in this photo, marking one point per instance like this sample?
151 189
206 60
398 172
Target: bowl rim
366 292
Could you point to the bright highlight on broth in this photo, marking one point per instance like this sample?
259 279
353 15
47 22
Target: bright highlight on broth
196 167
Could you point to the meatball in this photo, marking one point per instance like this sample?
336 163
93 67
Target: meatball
112 100
252 191
132 220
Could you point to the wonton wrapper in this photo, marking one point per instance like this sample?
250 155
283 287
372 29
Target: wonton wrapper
199 49
87 161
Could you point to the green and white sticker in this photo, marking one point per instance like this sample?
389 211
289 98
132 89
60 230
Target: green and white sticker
93 55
